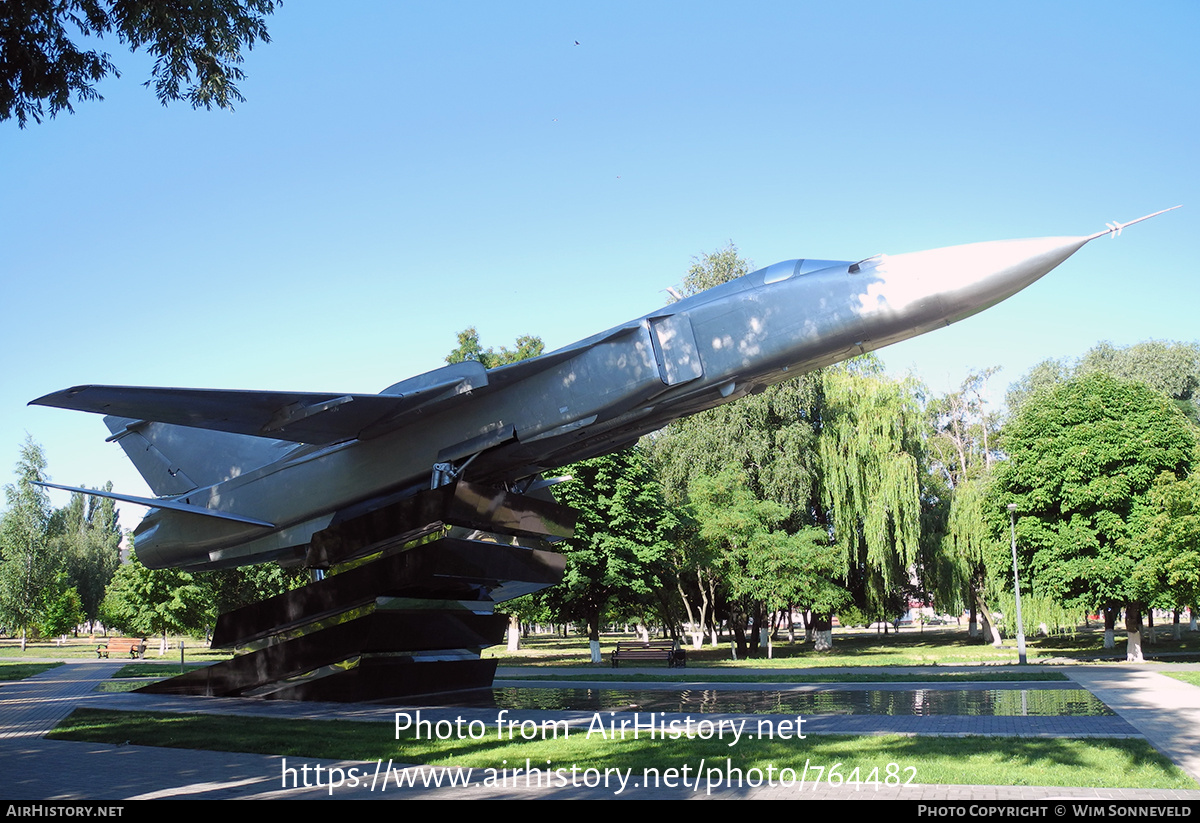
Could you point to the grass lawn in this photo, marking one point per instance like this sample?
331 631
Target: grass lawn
74 648
1187 677
1004 761
832 677
940 646
935 646
19 671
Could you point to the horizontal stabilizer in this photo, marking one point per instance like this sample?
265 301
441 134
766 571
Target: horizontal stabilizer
299 417
164 504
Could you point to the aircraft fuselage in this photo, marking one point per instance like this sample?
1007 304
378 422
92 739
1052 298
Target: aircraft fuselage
592 397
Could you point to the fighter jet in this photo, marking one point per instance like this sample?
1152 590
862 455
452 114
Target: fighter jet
245 476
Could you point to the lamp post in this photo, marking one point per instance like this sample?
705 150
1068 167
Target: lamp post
1012 530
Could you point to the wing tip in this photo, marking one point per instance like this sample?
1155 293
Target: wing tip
56 398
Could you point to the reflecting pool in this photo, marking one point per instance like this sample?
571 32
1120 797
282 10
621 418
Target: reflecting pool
905 703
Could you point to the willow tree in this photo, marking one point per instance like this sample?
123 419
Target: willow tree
969 543
872 453
962 449
770 437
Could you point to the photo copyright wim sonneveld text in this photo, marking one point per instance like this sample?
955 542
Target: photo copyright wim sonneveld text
704 774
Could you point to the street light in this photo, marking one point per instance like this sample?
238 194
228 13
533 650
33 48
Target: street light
1012 530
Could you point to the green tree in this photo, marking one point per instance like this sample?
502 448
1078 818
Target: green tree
764 568
1169 367
771 437
469 348
197 48
86 534
224 590
962 448
1045 375
146 602
28 567
622 535
1082 458
526 346
1170 525
63 611
872 459
714 268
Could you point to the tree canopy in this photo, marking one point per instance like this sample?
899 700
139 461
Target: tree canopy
1170 527
622 533
197 48
1170 367
153 601
27 566
469 348
1082 458
872 459
86 535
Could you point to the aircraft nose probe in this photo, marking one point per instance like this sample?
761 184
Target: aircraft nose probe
1115 228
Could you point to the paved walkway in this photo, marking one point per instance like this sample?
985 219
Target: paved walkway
1164 710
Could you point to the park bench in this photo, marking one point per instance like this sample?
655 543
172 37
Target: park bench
134 647
649 650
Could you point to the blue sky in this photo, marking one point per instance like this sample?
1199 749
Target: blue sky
400 171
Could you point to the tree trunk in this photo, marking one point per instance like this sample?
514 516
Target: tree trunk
1153 639
514 633
1110 620
695 629
593 628
708 606
739 639
1133 629
973 624
757 615
822 632
1175 625
989 628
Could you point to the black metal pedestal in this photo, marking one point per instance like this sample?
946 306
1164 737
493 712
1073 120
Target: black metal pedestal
406 608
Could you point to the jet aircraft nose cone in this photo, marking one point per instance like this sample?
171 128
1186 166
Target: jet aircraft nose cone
967 279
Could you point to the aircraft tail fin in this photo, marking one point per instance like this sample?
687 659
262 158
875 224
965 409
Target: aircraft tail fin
176 459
